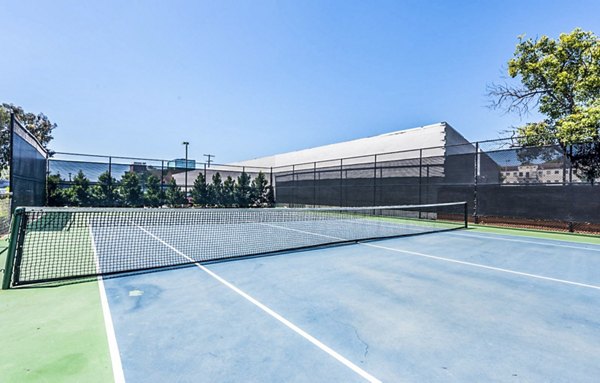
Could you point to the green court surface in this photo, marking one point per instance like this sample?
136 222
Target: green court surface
53 334
57 334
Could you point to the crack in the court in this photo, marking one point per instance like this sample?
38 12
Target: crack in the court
365 344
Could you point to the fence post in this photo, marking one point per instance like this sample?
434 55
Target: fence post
570 164
162 181
341 182
47 197
475 182
564 169
427 184
314 184
420 179
293 185
271 184
375 181
11 168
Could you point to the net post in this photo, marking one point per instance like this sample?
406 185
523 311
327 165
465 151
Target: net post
466 213
12 247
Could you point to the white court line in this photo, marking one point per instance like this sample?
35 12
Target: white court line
494 237
484 266
536 276
113 347
272 313
479 235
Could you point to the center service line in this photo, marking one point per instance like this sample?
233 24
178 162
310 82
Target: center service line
272 313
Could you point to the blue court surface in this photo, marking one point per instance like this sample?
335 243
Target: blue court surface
459 306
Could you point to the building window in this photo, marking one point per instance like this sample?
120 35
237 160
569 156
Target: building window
547 171
556 172
526 174
520 174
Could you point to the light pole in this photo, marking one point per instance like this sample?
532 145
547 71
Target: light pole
186 167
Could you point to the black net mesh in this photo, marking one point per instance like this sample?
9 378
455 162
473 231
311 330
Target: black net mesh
64 243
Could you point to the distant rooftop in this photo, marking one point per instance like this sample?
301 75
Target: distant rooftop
436 136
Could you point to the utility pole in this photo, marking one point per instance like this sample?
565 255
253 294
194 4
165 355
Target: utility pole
186 167
209 156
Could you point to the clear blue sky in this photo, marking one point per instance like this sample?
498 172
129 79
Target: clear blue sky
242 79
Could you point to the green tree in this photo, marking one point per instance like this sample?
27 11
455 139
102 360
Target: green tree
243 190
130 190
79 192
259 190
561 78
215 191
104 193
56 196
37 124
228 194
199 191
270 196
175 196
153 196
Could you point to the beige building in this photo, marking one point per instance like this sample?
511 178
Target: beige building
546 173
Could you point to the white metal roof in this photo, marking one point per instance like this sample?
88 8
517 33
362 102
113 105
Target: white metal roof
429 136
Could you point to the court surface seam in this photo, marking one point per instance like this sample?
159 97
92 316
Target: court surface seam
113 346
271 313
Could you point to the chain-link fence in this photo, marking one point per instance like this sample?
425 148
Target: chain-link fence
108 181
503 183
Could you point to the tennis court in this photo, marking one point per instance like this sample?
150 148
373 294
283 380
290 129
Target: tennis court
452 305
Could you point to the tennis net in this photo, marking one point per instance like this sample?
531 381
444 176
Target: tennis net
54 244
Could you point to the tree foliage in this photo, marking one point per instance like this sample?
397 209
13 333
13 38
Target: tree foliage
79 192
561 78
245 192
215 191
154 195
228 197
104 193
175 196
262 193
199 191
56 196
130 190
37 124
